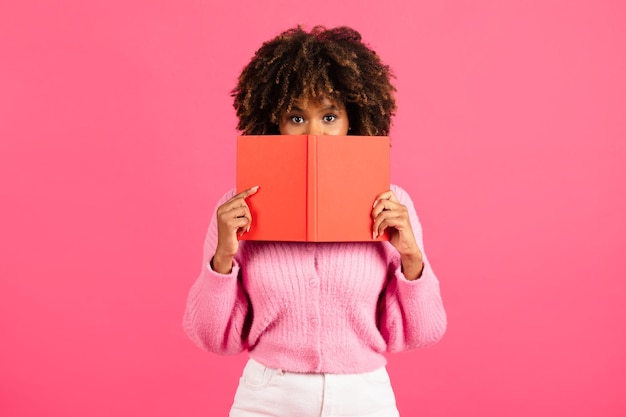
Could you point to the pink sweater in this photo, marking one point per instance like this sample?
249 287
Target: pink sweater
315 307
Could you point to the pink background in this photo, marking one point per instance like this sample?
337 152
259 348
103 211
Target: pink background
117 137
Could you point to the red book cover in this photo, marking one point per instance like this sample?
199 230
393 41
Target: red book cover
312 188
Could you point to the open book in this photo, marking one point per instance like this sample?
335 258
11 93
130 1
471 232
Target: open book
312 188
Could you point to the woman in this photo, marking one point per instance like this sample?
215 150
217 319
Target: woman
316 318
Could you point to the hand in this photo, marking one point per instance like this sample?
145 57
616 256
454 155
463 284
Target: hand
233 220
392 216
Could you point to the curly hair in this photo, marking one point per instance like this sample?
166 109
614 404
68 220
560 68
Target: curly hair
299 66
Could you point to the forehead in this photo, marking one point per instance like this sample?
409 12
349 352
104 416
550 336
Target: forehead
323 102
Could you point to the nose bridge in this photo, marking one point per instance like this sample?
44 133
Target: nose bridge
315 127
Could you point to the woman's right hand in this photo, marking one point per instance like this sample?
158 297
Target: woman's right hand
233 220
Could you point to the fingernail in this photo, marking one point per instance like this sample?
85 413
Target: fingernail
256 187
375 203
248 229
373 235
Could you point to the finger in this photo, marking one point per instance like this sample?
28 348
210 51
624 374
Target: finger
236 201
248 217
387 195
242 215
382 227
234 224
246 193
244 229
232 210
386 205
395 219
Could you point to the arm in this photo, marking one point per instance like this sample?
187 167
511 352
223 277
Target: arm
411 312
216 316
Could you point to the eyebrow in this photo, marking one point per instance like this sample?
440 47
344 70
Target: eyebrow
323 109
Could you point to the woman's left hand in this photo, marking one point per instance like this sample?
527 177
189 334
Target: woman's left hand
392 216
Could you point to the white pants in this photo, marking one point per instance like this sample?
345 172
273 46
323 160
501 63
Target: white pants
266 392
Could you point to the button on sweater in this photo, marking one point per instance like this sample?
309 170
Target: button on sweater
315 307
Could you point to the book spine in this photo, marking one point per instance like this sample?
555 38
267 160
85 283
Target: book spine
311 189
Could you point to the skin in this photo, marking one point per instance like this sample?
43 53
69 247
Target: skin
323 117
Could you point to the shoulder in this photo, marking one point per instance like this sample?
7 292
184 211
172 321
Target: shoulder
226 196
405 199
401 194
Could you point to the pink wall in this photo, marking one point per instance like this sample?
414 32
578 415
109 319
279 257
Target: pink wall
116 138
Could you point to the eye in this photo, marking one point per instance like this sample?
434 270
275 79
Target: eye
329 118
297 119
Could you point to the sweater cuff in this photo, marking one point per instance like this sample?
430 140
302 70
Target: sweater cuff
233 272
428 276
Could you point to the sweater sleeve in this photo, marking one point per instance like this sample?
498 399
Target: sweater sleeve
216 314
411 313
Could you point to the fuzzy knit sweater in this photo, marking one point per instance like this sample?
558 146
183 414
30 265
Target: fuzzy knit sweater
315 307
